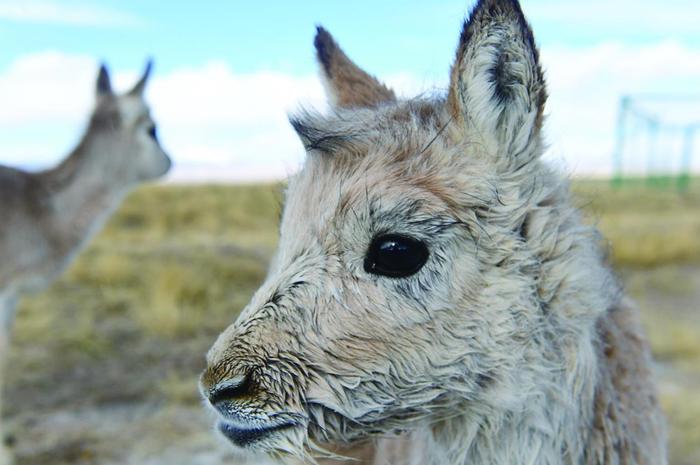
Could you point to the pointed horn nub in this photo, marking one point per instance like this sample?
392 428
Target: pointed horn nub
104 84
141 85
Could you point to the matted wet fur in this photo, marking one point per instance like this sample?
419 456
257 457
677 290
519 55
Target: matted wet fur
512 344
48 216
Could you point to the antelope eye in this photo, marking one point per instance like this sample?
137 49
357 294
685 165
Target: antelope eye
395 256
153 132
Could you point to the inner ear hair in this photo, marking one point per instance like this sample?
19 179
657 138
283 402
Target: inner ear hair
497 84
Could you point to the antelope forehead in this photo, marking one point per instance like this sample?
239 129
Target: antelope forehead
398 128
132 109
307 210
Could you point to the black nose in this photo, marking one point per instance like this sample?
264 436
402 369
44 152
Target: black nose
232 391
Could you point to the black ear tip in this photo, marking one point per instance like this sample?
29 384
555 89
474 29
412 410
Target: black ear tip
141 84
321 33
325 45
515 4
502 4
496 7
323 39
104 86
509 10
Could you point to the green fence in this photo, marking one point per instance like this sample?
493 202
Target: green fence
656 141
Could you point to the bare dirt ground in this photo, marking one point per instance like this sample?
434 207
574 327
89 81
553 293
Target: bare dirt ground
104 412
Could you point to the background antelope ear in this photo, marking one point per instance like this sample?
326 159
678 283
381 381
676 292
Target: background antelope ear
346 84
141 85
104 84
497 86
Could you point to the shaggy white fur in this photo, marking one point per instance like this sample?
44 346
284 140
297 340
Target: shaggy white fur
510 344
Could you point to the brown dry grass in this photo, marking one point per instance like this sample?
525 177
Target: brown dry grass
130 321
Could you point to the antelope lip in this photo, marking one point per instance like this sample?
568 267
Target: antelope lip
244 435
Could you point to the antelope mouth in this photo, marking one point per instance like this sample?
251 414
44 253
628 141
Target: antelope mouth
247 435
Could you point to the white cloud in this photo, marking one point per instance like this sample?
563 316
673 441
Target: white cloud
585 87
65 12
46 86
214 115
216 94
234 125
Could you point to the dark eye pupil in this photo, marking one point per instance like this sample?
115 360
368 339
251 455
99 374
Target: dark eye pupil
153 132
395 256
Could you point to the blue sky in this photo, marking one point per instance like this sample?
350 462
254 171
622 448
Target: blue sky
277 34
593 52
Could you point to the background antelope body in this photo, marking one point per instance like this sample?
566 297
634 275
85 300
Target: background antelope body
435 296
48 216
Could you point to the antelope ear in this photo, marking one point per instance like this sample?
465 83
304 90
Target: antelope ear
104 84
346 84
496 85
138 89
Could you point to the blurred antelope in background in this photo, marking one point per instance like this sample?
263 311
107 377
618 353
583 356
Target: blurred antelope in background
47 217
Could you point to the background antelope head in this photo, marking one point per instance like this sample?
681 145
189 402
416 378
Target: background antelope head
124 134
